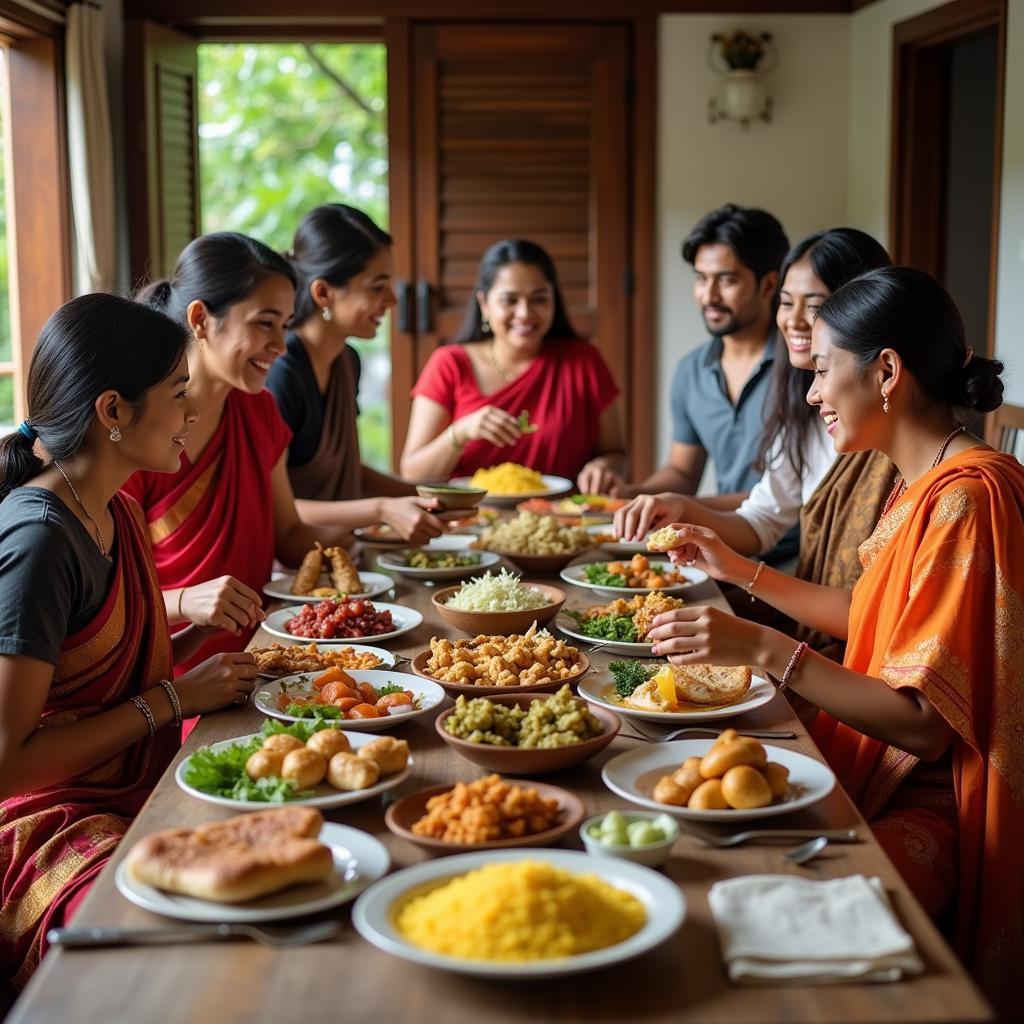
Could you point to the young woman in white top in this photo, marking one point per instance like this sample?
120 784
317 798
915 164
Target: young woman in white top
796 453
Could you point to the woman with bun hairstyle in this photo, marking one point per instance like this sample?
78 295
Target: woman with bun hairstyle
517 352
217 524
344 268
922 721
87 708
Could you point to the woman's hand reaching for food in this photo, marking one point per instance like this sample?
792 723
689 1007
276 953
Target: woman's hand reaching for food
411 518
218 682
223 603
649 512
596 477
488 423
699 635
702 547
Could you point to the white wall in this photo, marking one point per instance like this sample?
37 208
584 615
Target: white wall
1010 280
794 167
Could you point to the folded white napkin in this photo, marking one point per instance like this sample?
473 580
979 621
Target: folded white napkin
777 928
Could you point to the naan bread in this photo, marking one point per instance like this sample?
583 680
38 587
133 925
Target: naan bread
235 860
712 684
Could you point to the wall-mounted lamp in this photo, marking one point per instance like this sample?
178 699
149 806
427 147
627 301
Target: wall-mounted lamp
741 59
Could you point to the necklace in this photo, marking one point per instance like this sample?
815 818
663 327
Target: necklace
901 485
494 362
81 504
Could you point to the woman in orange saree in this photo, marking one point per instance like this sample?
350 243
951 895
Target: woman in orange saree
922 722
85 650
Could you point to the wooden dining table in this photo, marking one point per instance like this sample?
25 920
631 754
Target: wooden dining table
348 980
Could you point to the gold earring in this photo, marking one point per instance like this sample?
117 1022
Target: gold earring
885 402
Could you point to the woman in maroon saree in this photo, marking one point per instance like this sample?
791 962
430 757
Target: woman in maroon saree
85 651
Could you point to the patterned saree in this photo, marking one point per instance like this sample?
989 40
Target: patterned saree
940 607
53 842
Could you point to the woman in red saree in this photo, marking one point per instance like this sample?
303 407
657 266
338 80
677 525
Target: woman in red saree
517 352
922 721
85 651
217 524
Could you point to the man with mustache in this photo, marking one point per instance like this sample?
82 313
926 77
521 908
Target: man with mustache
719 390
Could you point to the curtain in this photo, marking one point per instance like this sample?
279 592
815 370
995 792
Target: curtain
90 151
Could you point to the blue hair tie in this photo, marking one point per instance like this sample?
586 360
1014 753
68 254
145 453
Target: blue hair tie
27 430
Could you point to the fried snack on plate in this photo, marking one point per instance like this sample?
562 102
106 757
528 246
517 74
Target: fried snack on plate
308 575
277 659
664 539
343 573
237 859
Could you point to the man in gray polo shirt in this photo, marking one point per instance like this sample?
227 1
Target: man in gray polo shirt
719 390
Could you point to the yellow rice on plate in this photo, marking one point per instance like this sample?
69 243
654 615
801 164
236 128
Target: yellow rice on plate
509 478
519 911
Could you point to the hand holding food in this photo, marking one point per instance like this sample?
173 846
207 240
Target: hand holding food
223 603
488 423
700 635
216 683
649 512
596 477
735 773
701 546
410 518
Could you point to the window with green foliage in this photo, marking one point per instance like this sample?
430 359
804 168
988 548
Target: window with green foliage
284 127
8 371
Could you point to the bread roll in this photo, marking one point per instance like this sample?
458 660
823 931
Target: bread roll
305 767
688 777
264 763
391 755
348 772
719 759
667 791
664 539
777 778
282 742
328 742
708 797
745 787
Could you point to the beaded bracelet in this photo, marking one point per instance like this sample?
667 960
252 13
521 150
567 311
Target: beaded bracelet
173 698
749 588
798 654
141 705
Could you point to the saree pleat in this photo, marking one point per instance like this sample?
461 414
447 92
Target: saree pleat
940 608
55 840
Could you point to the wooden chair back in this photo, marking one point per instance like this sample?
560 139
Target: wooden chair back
1005 430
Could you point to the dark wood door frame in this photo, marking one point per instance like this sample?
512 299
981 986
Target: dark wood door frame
918 106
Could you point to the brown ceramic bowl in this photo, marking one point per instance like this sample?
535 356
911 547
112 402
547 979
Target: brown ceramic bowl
451 498
499 623
539 563
404 813
419 666
530 760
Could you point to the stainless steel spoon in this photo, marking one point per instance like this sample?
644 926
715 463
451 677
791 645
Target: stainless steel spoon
806 851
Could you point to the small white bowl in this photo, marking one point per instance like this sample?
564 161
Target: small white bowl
653 855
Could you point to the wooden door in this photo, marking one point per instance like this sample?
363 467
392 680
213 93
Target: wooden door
518 131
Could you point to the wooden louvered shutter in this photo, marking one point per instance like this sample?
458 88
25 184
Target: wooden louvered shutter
521 131
163 146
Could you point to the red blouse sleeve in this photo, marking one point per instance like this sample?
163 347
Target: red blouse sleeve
441 378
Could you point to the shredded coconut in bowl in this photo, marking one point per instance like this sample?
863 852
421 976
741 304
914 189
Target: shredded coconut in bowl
501 593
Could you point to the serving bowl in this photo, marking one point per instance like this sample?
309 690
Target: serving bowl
419 666
452 498
653 855
529 760
404 813
499 623
539 563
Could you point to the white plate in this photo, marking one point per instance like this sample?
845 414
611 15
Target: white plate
595 686
576 574
405 620
430 696
393 562
553 486
374 583
324 795
619 548
388 658
570 627
352 849
662 899
632 775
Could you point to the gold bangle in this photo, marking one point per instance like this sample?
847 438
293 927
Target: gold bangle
749 588
453 438
172 696
181 594
140 705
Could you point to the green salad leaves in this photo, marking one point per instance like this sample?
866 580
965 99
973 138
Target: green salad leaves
598 573
628 676
525 426
617 628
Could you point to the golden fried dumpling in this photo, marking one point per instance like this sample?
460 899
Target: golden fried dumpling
328 742
348 772
391 755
